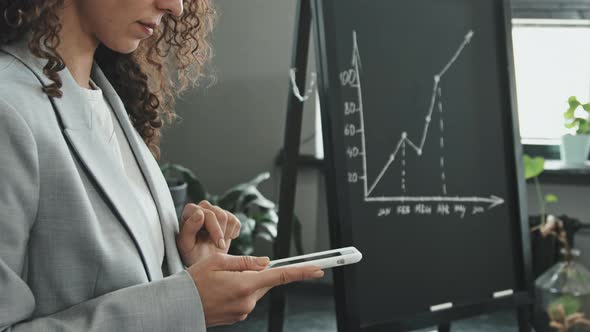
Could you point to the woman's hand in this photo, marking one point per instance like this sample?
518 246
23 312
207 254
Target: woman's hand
193 243
230 286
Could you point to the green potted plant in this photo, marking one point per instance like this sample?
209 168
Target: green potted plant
575 148
545 251
533 167
549 236
182 183
257 214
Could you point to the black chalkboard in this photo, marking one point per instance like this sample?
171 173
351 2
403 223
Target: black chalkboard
424 173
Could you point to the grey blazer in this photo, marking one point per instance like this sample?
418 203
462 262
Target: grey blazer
75 253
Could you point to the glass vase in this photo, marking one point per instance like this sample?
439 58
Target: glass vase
563 292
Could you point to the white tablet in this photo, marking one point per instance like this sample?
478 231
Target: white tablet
325 259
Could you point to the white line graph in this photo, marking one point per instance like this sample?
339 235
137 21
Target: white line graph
435 94
352 78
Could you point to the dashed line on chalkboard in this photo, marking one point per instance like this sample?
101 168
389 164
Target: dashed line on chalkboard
443 175
404 166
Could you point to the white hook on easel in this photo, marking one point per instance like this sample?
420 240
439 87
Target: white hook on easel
296 91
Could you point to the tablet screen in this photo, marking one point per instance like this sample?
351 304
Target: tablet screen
307 259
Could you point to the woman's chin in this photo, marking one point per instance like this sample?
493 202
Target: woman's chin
124 47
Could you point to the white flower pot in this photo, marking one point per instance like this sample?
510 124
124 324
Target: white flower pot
574 149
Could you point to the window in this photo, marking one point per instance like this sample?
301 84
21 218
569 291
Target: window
552 63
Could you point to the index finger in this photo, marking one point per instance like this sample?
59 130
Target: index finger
284 275
214 229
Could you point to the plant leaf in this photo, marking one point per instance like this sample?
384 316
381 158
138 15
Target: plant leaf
248 225
533 167
185 172
196 190
261 202
264 215
572 124
213 199
228 200
583 128
244 244
248 196
267 237
252 195
573 104
237 197
164 168
252 183
551 198
259 179
267 228
568 303
238 248
172 177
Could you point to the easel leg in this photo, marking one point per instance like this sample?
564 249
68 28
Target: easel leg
289 168
523 314
446 327
276 315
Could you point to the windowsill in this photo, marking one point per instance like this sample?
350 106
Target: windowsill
558 167
547 151
557 173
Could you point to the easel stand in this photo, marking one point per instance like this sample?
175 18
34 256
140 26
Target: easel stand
291 152
522 317
444 327
289 178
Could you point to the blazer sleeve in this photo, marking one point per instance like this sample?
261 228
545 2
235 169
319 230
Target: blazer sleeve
169 304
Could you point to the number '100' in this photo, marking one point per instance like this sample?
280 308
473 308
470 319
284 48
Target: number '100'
348 77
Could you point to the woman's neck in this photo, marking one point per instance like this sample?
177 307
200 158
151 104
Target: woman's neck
76 46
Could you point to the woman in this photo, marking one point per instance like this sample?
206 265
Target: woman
88 233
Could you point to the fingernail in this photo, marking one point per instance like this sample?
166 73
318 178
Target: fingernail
317 274
262 261
221 244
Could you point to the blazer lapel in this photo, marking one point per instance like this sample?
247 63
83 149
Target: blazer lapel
151 172
95 156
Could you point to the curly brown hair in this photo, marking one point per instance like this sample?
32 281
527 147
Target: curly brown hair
142 78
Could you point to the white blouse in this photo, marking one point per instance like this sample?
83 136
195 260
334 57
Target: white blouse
104 118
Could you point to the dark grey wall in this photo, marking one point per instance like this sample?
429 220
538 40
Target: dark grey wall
234 129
